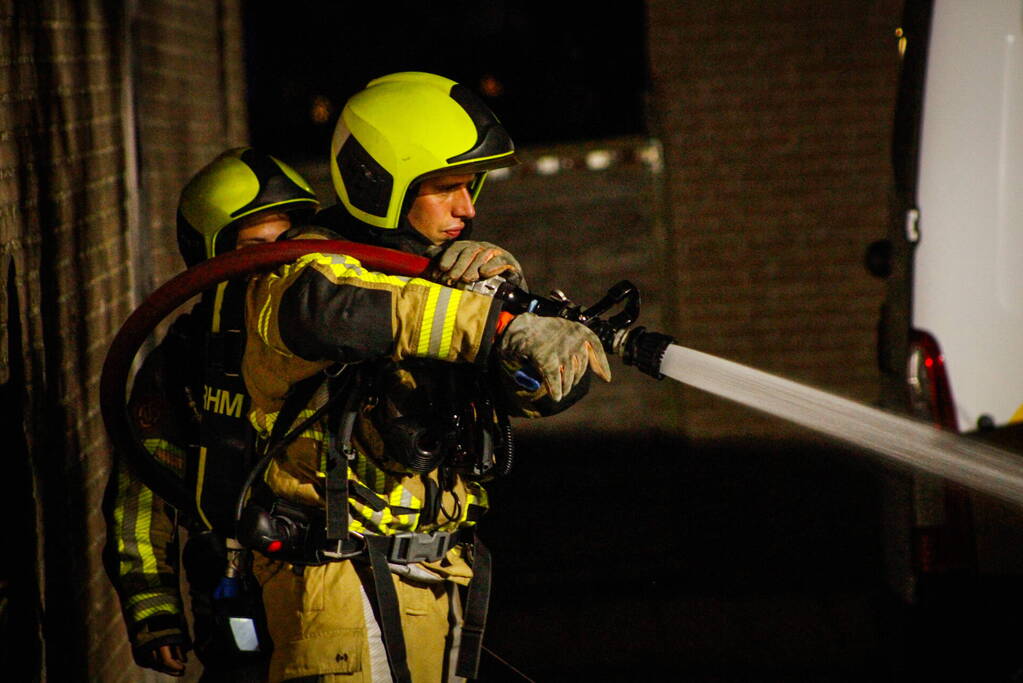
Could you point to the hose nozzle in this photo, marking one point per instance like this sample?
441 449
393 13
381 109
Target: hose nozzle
644 349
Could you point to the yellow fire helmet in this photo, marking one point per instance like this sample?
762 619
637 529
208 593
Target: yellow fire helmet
405 127
238 183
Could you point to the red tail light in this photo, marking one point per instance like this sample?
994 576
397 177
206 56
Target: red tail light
943 534
930 395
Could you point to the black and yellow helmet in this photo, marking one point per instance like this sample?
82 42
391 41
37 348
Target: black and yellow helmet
238 183
405 127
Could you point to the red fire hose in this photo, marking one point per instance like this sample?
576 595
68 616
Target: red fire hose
178 290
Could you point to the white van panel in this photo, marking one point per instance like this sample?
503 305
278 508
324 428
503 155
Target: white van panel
968 270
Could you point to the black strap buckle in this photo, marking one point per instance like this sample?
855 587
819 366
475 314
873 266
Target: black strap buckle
410 547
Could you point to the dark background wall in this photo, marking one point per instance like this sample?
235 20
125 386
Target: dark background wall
748 147
106 109
775 118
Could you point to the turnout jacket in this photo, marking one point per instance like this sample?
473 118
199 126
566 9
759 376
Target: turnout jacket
327 309
328 314
190 412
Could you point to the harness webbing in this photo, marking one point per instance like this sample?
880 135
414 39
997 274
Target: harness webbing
477 605
385 599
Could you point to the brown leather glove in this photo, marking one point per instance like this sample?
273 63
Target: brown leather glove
559 350
468 261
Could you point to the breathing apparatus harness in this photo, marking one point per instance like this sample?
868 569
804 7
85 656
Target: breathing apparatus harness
274 526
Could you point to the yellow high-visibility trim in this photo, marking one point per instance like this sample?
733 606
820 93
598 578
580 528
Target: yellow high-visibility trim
340 267
146 613
143 521
198 487
402 497
475 494
263 320
449 324
1018 415
157 596
344 267
166 453
263 422
162 604
146 559
426 329
122 487
218 302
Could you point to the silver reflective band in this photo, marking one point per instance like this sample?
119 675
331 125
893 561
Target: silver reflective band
244 631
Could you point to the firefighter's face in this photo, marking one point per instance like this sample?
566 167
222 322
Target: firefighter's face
261 228
442 207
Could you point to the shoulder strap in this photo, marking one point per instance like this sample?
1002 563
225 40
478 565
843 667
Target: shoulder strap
298 397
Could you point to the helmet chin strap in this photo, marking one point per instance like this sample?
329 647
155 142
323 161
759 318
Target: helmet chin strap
407 238
403 238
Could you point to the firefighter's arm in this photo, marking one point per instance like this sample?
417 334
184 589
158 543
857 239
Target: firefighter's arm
141 550
327 308
140 558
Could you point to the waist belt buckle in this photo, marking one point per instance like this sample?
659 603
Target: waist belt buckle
409 547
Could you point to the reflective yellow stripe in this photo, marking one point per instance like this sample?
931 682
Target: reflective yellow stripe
166 453
343 266
426 328
402 497
218 302
201 476
475 495
263 422
449 324
143 520
438 323
263 322
122 487
144 605
146 613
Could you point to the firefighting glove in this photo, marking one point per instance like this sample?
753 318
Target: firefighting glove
467 261
559 350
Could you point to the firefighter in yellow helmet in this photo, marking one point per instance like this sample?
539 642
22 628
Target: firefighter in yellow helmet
384 401
243 197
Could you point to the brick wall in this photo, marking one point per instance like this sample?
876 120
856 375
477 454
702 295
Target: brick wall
581 227
103 115
775 120
63 208
190 87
